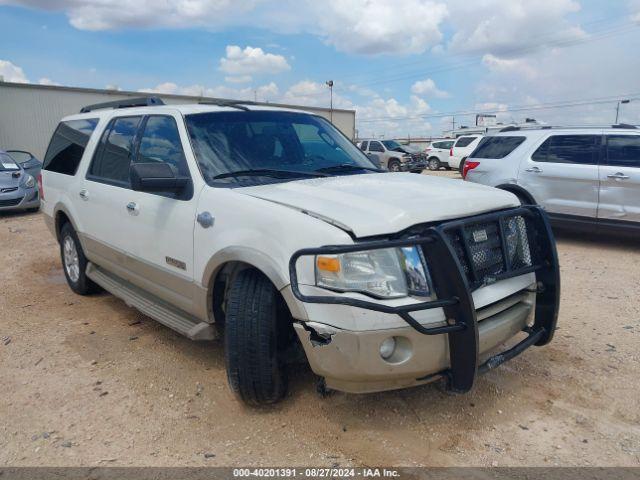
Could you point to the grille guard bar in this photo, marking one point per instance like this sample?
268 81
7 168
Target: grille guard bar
454 293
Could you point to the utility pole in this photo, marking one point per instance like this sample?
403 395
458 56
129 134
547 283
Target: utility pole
255 95
453 123
618 108
330 85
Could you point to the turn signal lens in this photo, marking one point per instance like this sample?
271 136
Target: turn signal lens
328 264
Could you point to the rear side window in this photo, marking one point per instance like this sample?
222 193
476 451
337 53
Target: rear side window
577 149
496 147
623 150
465 141
363 145
375 147
113 156
67 145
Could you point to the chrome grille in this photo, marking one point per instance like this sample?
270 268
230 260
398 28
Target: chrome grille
487 250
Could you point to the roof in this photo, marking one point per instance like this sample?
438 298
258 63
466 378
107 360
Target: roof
186 109
188 99
543 129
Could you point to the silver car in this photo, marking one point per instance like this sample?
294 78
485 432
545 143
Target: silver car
18 187
584 177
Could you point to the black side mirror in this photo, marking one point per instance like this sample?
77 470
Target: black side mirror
156 177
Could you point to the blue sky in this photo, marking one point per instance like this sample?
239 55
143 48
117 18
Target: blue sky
406 66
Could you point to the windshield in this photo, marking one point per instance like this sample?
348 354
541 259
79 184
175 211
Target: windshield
391 144
19 156
248 147
7 163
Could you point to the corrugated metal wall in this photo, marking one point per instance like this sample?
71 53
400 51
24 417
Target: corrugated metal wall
29 113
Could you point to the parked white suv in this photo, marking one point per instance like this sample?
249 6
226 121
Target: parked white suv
438 154
581 176
270 228
462 149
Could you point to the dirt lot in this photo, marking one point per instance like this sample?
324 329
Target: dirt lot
89 381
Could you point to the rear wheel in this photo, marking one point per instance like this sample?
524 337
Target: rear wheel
434 164
394 166
253 340
74 263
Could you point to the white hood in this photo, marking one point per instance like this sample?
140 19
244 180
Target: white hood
377 204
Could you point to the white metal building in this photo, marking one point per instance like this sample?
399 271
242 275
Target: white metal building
30 113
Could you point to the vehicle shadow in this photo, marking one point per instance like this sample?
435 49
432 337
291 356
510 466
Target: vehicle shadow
623 242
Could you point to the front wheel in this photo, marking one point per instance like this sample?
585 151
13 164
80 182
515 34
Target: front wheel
394 166
253 340
74 263
434 164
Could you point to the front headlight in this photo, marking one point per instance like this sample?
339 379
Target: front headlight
382 273
29 181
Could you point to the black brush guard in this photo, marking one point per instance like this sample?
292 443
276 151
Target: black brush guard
454 293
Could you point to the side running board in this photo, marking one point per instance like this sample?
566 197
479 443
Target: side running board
151 306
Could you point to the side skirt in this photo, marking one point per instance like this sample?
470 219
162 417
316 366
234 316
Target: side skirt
152 306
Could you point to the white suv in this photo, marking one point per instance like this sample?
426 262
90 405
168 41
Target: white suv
462 149
438 154
581 176
269 228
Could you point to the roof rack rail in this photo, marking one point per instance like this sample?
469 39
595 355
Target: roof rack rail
239 104
510 128
624 125
125 103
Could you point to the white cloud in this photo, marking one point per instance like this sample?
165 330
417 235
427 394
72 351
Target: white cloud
354 26
267 92
508 65
507 28
428 88
251 61
12 73
47 81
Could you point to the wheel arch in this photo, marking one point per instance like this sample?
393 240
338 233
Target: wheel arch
60 217
227 262
518 191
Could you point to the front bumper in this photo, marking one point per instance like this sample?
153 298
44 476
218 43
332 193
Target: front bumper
413 164
350 361
20 199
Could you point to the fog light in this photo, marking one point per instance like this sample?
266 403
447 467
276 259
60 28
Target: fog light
387 347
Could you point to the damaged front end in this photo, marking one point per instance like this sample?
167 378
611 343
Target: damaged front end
357 361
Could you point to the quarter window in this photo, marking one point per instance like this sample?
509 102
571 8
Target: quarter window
113 156
497 147
576 149
67 145
465 141
623 150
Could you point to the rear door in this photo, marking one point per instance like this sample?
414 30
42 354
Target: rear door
620 178
562 174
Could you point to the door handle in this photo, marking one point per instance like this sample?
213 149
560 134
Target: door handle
132 207
618 176
534 170
84 194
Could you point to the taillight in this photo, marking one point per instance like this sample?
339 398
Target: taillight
468 166
40 189
451 152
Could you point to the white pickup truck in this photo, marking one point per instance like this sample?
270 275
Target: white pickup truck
269 228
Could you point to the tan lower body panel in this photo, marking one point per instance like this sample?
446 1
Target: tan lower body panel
351 361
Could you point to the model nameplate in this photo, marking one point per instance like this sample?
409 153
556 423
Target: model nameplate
176 263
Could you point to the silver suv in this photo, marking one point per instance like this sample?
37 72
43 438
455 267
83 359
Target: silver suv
580 175
394 156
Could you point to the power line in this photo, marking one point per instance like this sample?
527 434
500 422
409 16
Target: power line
517 108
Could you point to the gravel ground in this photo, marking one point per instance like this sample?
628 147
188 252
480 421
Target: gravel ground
88 381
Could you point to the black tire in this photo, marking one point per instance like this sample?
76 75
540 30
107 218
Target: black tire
82 285
434 164
393 166
254 370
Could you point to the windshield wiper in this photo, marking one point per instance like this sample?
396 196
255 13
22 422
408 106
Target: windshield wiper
268 172
346 167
